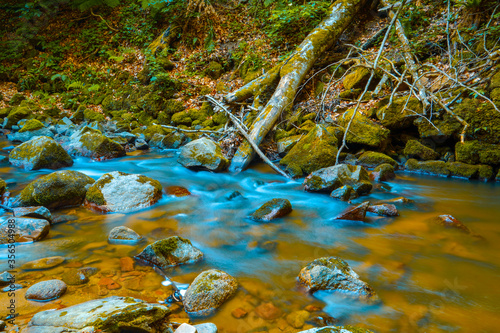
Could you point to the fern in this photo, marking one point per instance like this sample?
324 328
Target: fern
84 5
75 85
94 87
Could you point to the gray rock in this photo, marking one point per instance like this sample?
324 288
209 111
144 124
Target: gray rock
337 329
89 142
141 144
384 210
123 235
111 315
206 328
383 172
169 252
26 136
6 278
46 290
344 193
185 328
272 209
40 152
203 154
331 178
356 213
44 263
208 291
25 230
331 273
38 212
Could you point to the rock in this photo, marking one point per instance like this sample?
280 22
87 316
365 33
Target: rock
203 154
449 221
209 291
384 210
109 284
15 115
6 278
373 159
25 230
122 192
239 313
400 114
383 172
344 193
401 200
169 252
38 212
3 188
44 263
214 70
141 144
56 190
448 127
46 290
268 311
185 328
40 152
438 168
272 209
331 178
123 235
415 149
91 143
177 191
337 329
112 315
206 328
286 144
27 136
316 150
171 141
358 79
297 319
332 273
126 264
475 152
364 131
3 325
463 170
356 213
75 277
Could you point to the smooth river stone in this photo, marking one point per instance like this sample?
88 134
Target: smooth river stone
44 263
46 290
123 235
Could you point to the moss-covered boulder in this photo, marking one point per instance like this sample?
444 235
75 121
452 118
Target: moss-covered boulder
316 150
437 168
400 114
414 149
56 190
40 152
371 159
31 125
214 70
113 314
286 144
23 230
463 170
475 152
357 79
331 178
122 192
91 143
15 115
209 291
91 115
383 172
440 130
483 120
171 141
364 131
203 154
271 210
16 99
332 273
3 187
170 252
181 118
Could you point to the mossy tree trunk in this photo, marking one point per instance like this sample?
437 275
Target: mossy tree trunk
291 73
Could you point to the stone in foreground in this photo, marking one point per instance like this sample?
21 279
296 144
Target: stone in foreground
24 230
40 153
384 210
46 290
337 329
169 252
208 291
38 212
272 209
123 235
332 273
122 192
113 315
331 178
203 154
356 213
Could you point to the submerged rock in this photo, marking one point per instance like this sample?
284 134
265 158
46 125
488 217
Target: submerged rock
384 210
40 152
123 235
331 178
46 290
38 212
25 230
272 209
169 252
44 263
448 221
55 190
113 315
208 291
337 329
332 273
356 213
203 153
268 311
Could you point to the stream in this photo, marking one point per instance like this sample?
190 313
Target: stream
429 278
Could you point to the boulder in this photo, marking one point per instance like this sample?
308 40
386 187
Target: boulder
476 152
123 235
209 291
46 290
400 114
364 131
332 273
316 150
415 149
337 329
272 209
356 213
38 212
122 192
464 170
371 159
56 190
437 168
28 135
40 152
203 154
169 252
331 178
384 210
286 144
113 315
440 130
15 115
25 230
44 263
91 143
358 79
3 188
383 172
344 193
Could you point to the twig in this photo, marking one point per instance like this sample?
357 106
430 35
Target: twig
189 131
97 15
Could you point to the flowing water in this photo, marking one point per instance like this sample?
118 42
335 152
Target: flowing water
429 279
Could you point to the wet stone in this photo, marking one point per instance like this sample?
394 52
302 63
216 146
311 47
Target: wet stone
271 210
46 290
177 191
185 328
384 210
239 313
126 264
38 212
6 278
124 235
25 230
344 193
206 328
75 277
44 263
297 319
268 311
356 213
110 284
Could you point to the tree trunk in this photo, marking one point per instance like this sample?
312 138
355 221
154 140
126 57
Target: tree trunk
292 72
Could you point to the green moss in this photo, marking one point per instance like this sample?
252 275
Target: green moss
400 114
495 81
252 75
31 125
439 168
40 152
17 99
485 172
164 63
414 148
94 194
5 112
3 187
475 152
173 106
372 159
150 131
98 146
363 131
167 246
91 115
463 170
16 115
350 94
357 79
181 118
214 70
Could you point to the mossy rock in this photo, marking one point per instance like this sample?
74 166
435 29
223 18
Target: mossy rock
447 127
165 63
214 70
173 106
31 125
271 210
3 187
91 143
17 99
150 131
476 152
122 192
373 159
110 104
358 79
495 81
331 178
5 112
56 190
350 94
400 114
203 154
91 115
152 103
209 291
170 252
16 115
414 149
40 152
286 144
437 168
364 131
181 118
483 120
316 150
495 95
463 170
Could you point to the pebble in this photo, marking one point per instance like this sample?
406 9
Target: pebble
44 263
268 311
123 235
239 313
109 283
46 290
75 277
206 328
185 328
